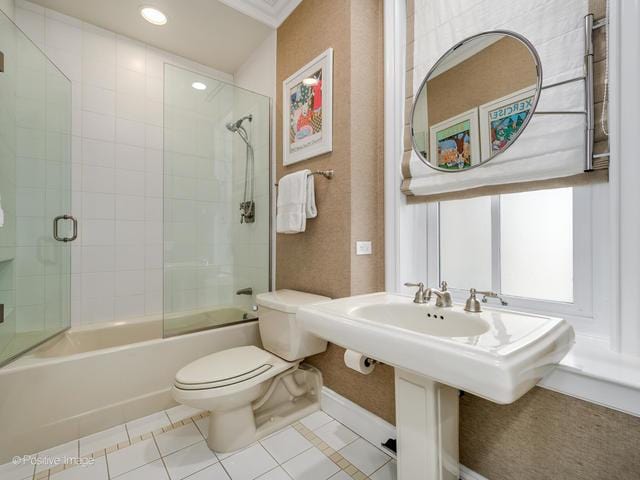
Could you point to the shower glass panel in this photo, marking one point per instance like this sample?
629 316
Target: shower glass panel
216 202
35 187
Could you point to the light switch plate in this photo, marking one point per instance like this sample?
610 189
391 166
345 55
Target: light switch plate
363 248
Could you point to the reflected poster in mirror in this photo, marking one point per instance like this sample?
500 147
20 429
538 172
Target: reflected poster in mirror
476 100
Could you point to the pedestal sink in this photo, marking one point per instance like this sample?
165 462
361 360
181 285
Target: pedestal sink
495 354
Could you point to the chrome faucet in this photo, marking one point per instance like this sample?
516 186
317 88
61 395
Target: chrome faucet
420 296
443 296
473 305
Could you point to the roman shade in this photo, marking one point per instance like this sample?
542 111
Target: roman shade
551 151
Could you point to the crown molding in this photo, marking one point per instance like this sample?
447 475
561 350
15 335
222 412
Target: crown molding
269 12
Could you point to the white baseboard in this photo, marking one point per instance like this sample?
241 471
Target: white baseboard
369 426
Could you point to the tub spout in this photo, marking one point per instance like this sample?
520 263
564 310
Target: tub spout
245 291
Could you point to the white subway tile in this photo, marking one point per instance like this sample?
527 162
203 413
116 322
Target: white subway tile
131 54
98 126
130 257
130 132
97 179
130 282
98 153
130 207
129 157
99 100
129 182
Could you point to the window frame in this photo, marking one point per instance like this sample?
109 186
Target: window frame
580 312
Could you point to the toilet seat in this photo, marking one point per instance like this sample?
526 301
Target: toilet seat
235 368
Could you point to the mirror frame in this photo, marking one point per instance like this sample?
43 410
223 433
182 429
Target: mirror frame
538 64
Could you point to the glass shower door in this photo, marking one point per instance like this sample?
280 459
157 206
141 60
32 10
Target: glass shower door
35 195
216 202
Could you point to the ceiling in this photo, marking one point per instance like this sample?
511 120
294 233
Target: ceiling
218 33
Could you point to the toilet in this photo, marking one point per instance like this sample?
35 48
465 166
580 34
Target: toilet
252 392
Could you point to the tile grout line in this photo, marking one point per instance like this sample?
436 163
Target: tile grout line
333 455
307 433
155 442
45 474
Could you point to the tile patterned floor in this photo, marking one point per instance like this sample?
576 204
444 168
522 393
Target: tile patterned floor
171 445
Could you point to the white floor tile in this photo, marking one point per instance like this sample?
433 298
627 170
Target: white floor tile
189 460
311 465
181 412
335 435
132 457
364 456
387 472
11 471
221 456
177 439
95 471
249 463
203 426
147 424
104 439
276 474
214 472
341 475
316 420
286 444
52 457
151 471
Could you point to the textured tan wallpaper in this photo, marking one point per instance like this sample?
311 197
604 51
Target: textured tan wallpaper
350 207
544 435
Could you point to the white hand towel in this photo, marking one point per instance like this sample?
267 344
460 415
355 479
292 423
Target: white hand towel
310 208
291 216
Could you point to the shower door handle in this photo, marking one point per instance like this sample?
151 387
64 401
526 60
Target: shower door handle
55 228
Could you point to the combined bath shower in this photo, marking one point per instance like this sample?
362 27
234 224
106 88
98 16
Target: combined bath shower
247 206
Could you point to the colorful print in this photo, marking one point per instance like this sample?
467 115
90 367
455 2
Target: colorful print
305 113
505 123
454 146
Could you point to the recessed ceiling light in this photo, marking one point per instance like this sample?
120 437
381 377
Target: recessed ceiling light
153 15
199 86
310 82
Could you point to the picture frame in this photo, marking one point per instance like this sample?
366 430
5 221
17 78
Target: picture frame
307 113
501 120
454 144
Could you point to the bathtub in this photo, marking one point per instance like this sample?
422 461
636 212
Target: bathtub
95 377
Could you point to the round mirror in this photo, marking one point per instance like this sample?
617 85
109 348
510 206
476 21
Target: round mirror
475 101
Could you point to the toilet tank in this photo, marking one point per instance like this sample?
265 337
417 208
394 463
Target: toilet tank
280 332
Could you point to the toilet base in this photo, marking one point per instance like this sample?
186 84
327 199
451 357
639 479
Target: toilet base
231 430
235 429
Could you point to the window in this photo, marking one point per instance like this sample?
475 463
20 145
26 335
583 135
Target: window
534 248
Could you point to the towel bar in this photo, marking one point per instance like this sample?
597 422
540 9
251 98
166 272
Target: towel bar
328 174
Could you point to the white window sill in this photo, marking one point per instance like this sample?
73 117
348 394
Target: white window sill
592 372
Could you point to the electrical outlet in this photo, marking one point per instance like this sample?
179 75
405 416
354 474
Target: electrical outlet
363 248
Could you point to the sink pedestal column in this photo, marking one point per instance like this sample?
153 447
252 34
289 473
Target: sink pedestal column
427 428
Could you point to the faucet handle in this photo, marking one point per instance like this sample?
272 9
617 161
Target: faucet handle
486 295
420 296
473 305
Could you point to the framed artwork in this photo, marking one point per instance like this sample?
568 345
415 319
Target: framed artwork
307 110
502 119
454 144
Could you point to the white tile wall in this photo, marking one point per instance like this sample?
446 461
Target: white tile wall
117 111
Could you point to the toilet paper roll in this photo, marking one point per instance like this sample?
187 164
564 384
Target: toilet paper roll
358 362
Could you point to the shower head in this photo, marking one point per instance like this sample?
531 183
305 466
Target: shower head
234 126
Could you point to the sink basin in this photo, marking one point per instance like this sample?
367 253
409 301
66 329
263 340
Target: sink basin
422 319
496 354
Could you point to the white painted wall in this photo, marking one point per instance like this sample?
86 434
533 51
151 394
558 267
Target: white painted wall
117 91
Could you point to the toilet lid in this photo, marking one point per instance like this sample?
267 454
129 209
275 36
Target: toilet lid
224 368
